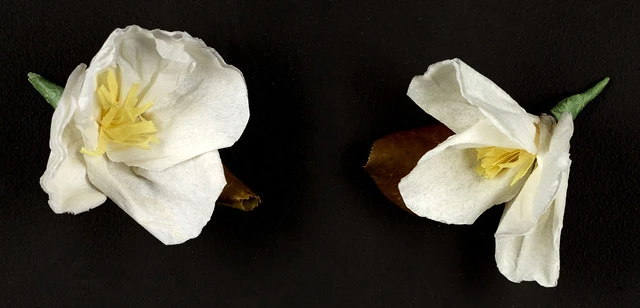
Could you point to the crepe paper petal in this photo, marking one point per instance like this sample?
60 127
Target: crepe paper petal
65 179
393 156
50 91
451 91
535 256
185 80
483 134
437 92
444 186
237 195
542 187
159 200
575 103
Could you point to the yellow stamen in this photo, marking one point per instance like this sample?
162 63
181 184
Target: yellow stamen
121 122
495 159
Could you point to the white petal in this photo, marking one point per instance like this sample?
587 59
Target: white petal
535 255
561 135
65 179
482 134
458 96
526 251
437 92
200 103
522 213
174 204
444 185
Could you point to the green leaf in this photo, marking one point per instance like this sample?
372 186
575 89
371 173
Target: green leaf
574 104
49 90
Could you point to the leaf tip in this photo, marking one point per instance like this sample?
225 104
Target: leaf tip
575 103
50 91
600 85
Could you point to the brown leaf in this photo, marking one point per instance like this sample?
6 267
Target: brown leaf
393 156
236 194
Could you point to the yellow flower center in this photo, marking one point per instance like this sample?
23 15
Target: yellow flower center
121 122
495 159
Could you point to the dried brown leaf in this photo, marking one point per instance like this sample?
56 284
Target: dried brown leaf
393 156
236 194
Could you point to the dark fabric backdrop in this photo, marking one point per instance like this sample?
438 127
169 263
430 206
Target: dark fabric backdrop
325 79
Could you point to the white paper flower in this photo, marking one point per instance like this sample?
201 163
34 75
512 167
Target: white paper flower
499 153
142 125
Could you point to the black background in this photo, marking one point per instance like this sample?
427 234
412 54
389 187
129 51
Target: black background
325 79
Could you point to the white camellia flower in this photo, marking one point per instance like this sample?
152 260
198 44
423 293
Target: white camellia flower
499 153
142 125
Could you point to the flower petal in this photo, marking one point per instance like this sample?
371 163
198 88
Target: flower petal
535 255
200 103
444 185
541 188
437 92
174 204
458 96
65 179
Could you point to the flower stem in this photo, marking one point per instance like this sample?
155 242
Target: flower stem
49 90
575 103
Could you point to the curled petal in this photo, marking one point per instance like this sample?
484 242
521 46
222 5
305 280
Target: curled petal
444 186
528 237
174 204
535 256
542 187
437 92
482 134
458 96
200 103
65 179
